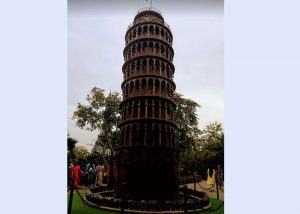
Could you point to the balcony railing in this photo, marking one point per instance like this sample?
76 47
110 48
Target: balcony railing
149 19
148 9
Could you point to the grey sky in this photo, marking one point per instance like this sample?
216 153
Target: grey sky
96 31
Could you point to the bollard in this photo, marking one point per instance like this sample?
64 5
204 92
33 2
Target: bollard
194 182
217 183
71 195
185 198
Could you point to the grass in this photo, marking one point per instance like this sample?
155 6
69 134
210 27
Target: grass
80 208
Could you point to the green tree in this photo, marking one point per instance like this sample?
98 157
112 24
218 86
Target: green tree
101 114
71 143
188 131
212 145
81 153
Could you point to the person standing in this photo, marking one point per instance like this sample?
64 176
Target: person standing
90 167
99 174
211 179
75 174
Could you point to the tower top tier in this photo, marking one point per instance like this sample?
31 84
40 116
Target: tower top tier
148 14
148 11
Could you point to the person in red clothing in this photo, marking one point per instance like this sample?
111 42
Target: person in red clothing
76 174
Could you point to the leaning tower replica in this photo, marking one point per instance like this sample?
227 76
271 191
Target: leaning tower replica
147 157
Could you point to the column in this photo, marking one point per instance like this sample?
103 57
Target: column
160 68
146 109
173 115
166 112
147 64
139 110
159 116
124 136
153 104
148 30
171 136
153 87
126 111
153 136
145 135
159 135
130 135
140 93
135 65
131 105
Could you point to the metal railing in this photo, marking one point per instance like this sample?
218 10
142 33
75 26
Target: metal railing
149 19
148 9
149 36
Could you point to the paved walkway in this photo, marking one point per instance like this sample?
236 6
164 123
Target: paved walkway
210 194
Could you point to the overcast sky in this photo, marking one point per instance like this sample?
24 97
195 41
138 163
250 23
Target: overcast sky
96 31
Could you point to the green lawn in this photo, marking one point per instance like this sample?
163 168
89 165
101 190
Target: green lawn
79 208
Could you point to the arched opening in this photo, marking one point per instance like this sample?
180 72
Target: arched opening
163 110
163 88
139 47
144 66
168 137
149 134
151 47
156 134
162 50
139 30
143 86
141 131
142 109
135 110
163 69
156 109
162 33
167 71
151 66
163 135
134 33
138 67
127 141
151 30
149 113
137 87
156 47
156 31
127 91
150 86
144 46
130 35
131 89
145 30
134 139
156 67
157 87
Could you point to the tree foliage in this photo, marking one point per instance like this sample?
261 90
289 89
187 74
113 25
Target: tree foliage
188 131
212 145
207 151
71 144
81 153
101 114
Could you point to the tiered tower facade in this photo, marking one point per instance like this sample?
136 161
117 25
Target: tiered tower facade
147 157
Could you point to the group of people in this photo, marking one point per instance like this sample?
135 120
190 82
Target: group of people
89 175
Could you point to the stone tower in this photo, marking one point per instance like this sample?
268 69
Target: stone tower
147 157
